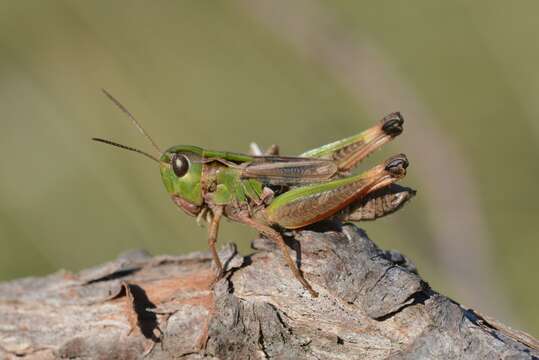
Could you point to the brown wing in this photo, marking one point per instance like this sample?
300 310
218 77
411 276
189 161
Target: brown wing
287 170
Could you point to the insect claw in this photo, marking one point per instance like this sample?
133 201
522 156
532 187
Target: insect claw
393 124
202 216
397 164
209 217
220 274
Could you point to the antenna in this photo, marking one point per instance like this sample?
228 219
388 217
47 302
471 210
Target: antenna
126 148
135 122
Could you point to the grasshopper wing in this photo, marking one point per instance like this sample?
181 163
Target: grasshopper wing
288 170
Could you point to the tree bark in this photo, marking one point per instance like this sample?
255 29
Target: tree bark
372 305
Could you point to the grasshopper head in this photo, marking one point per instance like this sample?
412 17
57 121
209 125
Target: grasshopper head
181 171
181 166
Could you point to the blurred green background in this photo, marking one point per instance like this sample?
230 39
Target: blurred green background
300 74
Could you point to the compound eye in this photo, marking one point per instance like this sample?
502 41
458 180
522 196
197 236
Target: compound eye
180 164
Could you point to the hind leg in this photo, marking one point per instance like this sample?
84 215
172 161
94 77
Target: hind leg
349 152
305 205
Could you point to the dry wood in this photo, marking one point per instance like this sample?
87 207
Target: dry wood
372 305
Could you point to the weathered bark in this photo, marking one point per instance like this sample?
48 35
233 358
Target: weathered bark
372 305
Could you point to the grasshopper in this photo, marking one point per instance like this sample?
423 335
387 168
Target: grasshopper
271 192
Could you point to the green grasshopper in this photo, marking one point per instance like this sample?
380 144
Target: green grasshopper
272 192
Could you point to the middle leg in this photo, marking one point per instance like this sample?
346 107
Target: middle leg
275 236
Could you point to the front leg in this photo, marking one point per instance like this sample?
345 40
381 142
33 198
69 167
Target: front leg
212 240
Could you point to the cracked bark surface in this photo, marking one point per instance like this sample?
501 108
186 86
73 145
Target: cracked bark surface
372 305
